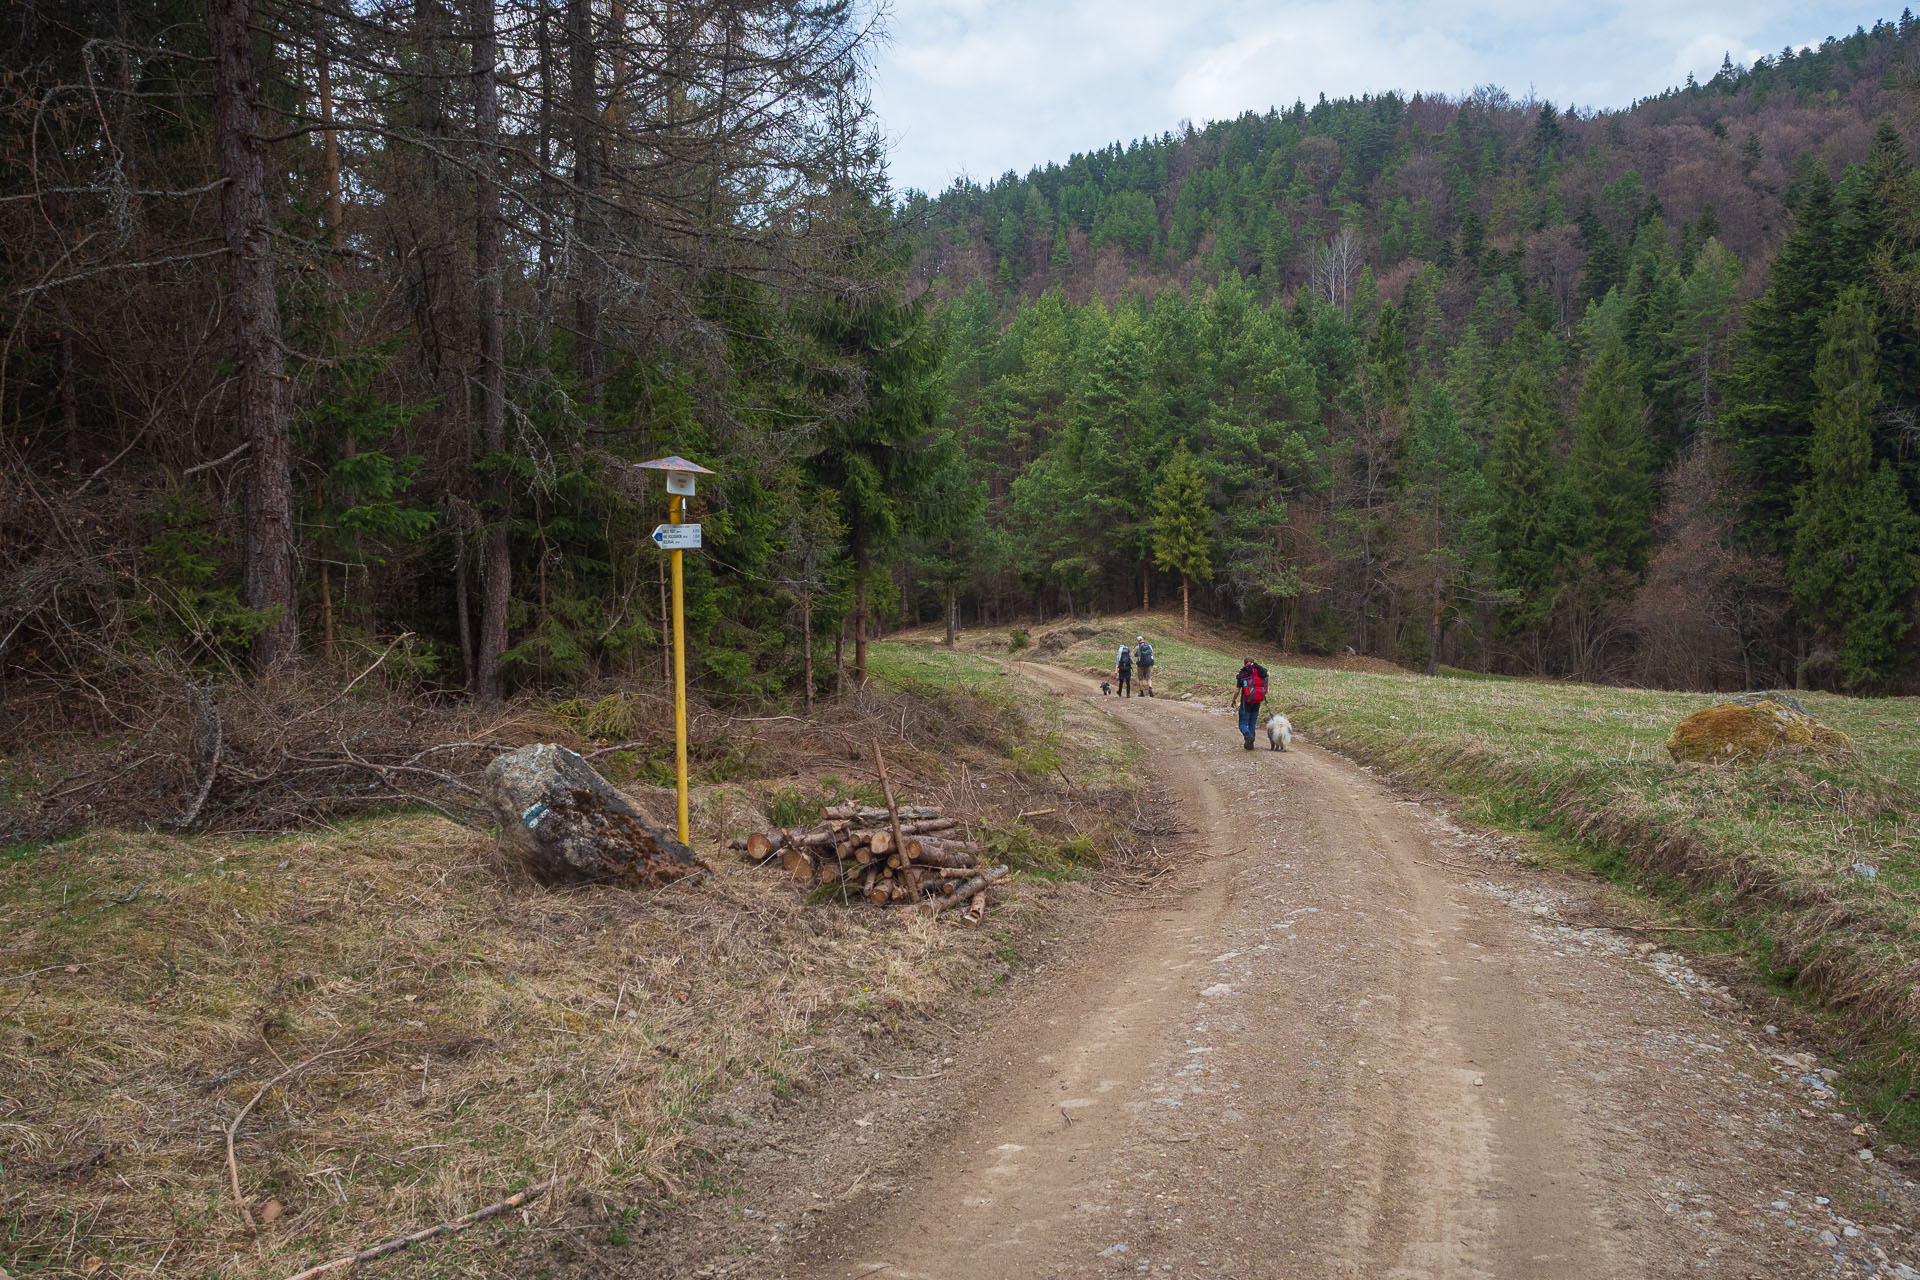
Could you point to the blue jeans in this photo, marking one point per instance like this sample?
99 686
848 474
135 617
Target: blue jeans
1249 719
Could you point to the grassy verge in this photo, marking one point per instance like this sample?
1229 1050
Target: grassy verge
1066 756
482 1032
1809 872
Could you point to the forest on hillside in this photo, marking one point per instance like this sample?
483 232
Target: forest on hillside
334 331
1624 396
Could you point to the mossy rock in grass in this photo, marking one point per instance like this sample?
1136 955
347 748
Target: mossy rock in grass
1754 727
572 826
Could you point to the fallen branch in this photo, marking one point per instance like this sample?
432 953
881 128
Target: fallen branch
208 711
233 1165
378 1251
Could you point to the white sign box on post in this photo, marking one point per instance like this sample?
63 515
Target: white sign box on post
677 537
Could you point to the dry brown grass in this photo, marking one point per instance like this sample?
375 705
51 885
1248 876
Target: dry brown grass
494 1032
486 1032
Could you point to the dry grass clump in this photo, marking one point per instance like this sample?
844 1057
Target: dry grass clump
427 1028
484 1032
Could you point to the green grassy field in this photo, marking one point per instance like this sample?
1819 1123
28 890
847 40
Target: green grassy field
1809 871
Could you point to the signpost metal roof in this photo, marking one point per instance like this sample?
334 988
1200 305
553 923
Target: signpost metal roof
674 462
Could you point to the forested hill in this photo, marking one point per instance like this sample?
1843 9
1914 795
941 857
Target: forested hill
1481 382
1505 186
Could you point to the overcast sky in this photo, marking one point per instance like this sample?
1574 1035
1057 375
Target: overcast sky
978 87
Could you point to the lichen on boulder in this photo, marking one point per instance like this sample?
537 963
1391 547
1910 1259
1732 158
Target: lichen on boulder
573 826
1753 727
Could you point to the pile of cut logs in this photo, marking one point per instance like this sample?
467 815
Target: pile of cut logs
909 854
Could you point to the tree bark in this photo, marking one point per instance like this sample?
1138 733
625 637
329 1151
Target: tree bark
1433 628
462 615
496 574
269 580
861 574
586 178
806 643
1186 611
953 606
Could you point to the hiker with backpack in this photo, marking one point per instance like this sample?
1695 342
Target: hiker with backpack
1249 691
1143 658
1123 672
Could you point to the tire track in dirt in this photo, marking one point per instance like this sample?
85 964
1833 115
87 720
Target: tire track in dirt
1326 1055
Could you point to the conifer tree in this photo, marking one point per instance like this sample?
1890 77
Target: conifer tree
1699 342
1608 468
1449 492
1856 542
875 455
1520 472
1180 526
1768 427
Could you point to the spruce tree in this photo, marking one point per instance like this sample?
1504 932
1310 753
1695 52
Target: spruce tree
1608 468
1768 424
1181 524
1450 494
1520 471
1856 542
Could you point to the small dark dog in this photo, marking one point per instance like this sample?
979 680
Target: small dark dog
1106 687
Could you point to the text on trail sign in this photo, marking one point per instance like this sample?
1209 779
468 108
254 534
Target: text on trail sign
677 537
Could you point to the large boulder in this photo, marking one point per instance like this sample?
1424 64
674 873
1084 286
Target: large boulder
1753 727
573 826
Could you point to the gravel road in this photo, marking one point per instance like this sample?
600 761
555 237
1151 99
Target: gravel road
1353 1042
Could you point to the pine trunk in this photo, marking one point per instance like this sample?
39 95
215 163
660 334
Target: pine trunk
497 548
953 606
1433 628
862 575
268 580
1186 604
806 643
586 179
462 594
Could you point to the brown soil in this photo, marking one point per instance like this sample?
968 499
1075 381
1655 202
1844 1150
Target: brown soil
1353 1040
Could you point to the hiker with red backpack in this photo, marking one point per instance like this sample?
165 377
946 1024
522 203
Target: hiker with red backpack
1249 691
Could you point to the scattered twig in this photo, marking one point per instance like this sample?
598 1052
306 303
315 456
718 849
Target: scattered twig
233 1165
379 1251
198 467
78 964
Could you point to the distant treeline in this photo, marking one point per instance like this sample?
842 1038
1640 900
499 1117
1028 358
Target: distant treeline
1624 396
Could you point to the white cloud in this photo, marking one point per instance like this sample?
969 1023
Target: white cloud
983 86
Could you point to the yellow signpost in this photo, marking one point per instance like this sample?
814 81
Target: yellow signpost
674 537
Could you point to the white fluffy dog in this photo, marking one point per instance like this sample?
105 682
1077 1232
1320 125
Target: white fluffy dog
1279 732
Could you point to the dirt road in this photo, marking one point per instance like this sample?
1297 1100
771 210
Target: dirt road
1350 1044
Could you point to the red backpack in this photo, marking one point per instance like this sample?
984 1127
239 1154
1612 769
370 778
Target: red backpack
1253 685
